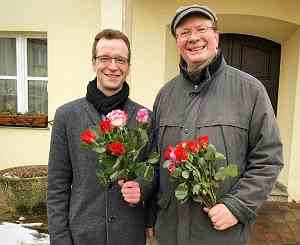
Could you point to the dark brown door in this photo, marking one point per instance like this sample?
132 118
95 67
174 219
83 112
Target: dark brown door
256 56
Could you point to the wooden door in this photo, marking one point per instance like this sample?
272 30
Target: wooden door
256 56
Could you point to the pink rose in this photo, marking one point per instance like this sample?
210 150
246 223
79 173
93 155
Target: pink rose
118 118
171 167
168 152
142 115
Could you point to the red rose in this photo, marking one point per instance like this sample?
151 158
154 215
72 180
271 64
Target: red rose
105 126
203 141
180 153
167 152
193 146
88 136
171 167
117 148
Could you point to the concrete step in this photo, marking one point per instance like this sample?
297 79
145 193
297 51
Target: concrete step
279 193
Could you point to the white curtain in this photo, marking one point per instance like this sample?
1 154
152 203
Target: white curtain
37 67
8 88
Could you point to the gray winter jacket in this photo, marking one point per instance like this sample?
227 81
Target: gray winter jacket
80 211
234 110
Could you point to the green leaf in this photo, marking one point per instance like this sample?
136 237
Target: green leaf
185 174
210 152
154 155
232 170
132 141
196 189
176 173
188 165
166 163
220 156
181 191
153 158
221 174
85 145
140 170
99 149
149 173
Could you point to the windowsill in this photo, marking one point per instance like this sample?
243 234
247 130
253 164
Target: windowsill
23 127
39 121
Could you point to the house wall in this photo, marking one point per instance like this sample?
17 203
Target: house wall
289 98
70 26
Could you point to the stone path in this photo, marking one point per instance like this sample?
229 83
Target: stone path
278 223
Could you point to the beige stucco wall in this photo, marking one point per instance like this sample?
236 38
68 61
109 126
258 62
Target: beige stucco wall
289 72
70 26
289 118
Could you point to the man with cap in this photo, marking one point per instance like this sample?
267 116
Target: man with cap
232 108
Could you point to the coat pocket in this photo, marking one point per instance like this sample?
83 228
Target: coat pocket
230 137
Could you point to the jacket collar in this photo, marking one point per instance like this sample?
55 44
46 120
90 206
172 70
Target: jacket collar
206 73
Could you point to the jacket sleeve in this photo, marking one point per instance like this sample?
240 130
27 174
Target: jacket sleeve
264 162
59 184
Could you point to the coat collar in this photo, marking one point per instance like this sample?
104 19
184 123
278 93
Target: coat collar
206 73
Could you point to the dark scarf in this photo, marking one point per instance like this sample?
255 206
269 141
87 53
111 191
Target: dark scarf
205 73
104 104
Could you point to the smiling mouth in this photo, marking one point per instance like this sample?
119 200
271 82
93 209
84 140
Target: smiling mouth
198 49
112 76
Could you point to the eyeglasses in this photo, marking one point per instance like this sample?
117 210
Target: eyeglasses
106 60
186 33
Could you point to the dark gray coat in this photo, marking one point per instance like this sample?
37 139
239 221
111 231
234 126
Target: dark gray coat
80 212
234 110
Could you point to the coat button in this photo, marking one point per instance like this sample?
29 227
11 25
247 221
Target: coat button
111 218
186 131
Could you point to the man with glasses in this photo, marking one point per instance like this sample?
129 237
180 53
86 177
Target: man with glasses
80 211
232 108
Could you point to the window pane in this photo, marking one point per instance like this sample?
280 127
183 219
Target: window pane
37 57
37 97
8 96
8 57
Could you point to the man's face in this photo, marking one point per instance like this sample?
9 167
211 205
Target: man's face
111 65
195 42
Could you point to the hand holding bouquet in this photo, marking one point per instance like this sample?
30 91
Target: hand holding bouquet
193 165
119 148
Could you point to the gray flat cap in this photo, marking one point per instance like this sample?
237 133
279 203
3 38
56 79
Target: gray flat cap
184 11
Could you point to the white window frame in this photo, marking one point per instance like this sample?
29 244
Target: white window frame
22 77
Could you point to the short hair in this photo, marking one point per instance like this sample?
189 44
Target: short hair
111 34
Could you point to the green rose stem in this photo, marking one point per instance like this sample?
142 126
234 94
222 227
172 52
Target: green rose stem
209 197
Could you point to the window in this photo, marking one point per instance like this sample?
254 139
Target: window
23 75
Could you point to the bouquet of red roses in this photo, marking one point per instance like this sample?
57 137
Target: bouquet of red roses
119 149
193 165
